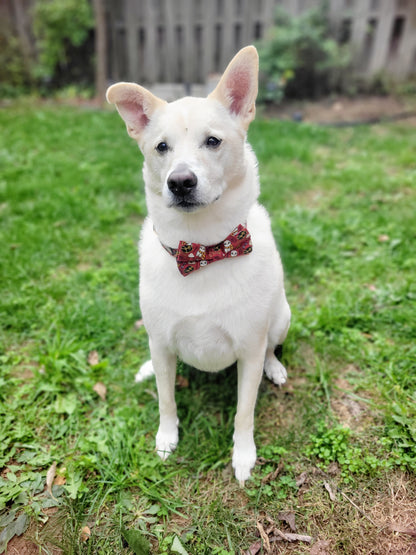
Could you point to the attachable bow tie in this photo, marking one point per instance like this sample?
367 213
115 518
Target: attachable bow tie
193 256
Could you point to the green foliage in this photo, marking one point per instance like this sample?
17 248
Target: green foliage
59 24
136 541
298 58
15 76
334 445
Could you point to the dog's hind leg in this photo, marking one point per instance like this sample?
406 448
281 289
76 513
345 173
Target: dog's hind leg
164 364
273 368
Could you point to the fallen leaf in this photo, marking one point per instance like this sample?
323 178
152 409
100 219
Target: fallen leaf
182 382
331 494
402 530
383 238
93 358
302 479
271 477
253 549
264 536
59 481
289 518
101 390
50 476
321 547
85 533
138 324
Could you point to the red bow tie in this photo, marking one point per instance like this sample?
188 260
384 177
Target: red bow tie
192 256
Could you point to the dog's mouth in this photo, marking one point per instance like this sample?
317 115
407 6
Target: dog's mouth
189 205
186 205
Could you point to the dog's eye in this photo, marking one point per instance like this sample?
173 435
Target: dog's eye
162 147
213 142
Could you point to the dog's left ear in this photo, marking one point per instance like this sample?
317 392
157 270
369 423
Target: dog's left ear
237 89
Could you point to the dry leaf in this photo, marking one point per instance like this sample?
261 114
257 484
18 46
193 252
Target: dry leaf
321 548
264 537
100 390
138 324
182 382
271 477
50 476
302 479
85 533
289 518
59 481
293 537
253 549
93 358
331 494
402 530
383 238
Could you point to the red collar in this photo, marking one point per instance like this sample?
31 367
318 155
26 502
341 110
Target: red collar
193 256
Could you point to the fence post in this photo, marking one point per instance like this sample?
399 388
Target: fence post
406 55
382 41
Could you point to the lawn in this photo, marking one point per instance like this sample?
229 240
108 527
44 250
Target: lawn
336 444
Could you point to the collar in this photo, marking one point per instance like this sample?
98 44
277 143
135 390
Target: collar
193 256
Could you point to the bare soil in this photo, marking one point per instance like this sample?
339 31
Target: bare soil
344 110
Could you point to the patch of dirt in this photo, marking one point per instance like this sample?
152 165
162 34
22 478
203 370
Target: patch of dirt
345 110
394 511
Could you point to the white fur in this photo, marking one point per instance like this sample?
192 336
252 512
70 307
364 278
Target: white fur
232 310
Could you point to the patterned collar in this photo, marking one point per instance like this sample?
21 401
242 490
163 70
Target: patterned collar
193 256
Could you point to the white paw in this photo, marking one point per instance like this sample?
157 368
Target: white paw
166 442
145 372
244 460
275 370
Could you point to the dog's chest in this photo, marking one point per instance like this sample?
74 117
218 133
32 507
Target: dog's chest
202 343
203 325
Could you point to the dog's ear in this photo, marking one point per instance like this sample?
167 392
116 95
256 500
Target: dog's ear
135 105
238 86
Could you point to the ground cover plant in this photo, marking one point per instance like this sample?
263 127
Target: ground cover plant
337 455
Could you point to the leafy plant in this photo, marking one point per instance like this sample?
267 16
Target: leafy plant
58 26
298 58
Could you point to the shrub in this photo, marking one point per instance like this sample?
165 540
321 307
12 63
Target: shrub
299 59
14 73
62 28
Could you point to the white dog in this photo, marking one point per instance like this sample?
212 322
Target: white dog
211 283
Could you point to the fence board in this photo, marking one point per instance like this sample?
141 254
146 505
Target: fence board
187 40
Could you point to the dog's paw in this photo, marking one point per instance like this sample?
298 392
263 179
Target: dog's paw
145 372
243 462
275 370
166 442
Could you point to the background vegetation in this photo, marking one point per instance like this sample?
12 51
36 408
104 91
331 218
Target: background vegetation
337 452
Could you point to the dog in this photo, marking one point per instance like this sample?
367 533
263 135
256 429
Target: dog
211 279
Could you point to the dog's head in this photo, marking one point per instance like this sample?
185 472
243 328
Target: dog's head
191 145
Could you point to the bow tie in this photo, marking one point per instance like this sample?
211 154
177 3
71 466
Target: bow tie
193 256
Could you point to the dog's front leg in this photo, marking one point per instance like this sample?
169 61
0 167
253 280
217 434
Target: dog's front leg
164 364
250 371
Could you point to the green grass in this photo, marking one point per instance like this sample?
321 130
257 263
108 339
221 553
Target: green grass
342 203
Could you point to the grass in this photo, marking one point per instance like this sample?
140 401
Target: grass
342 203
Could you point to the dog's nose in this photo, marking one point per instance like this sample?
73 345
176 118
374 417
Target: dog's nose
181 181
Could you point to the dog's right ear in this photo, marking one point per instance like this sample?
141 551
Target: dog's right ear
135 104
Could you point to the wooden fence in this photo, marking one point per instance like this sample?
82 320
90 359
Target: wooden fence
184 41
